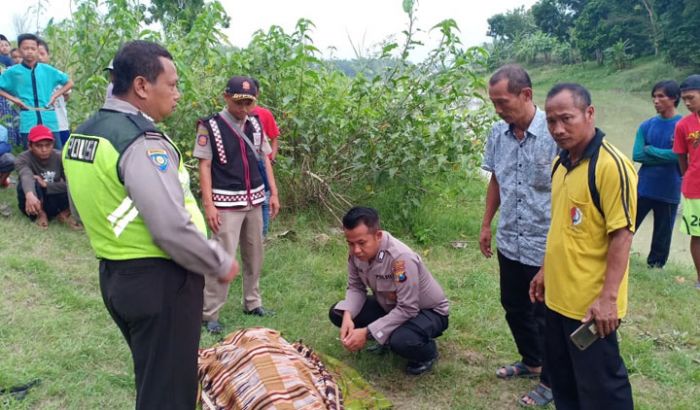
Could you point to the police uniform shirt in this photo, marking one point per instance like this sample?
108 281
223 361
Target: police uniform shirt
157 194
401 283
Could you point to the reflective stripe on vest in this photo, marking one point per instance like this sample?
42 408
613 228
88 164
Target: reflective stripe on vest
119 220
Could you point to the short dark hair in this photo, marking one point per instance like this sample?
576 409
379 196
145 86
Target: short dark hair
257 85
360 214
14 49
691 83
516 75
41 43
137 58
582 98
670 88
3 38
26 36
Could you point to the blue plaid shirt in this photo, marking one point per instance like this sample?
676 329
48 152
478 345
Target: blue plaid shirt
523 170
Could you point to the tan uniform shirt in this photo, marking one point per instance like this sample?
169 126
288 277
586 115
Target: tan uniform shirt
202 147
401 283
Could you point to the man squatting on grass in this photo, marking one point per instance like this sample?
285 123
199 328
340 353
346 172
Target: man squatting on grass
685 144
586 261
41 191
145 227
519 154
407 308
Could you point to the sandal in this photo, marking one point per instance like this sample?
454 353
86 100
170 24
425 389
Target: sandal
517 369
540 396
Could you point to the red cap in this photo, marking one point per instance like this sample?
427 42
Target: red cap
40 132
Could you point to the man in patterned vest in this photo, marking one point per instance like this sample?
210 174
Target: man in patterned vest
234 168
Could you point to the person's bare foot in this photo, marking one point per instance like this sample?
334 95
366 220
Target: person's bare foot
66 218
42 220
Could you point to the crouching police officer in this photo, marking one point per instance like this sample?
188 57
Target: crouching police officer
407 308
128 185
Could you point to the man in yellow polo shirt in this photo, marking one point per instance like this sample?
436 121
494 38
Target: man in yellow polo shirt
587 255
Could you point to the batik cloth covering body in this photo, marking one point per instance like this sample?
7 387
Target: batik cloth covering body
256 368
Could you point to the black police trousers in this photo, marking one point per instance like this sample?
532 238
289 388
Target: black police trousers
157 305
593 379
414 340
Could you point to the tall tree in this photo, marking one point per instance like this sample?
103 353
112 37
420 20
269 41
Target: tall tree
574 7
680 36
553 18
603 23
511 24
590 33
653 22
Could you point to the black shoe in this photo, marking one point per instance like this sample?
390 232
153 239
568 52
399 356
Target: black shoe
213 327
418 368
260 311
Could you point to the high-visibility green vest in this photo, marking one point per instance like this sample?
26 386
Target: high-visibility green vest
91 161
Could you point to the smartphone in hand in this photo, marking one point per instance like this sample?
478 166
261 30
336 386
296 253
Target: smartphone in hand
585 335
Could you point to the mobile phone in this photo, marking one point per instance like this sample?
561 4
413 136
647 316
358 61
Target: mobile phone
585 335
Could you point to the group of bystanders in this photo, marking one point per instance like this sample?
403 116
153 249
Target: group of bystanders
567 198
569 206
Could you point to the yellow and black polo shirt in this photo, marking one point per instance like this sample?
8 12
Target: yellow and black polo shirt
590 199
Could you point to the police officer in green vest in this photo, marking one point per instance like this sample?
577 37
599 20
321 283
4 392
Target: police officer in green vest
129 187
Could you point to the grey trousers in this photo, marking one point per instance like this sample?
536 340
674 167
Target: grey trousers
242 227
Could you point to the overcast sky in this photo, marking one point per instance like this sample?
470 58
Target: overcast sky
338 23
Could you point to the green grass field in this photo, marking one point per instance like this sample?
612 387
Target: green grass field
54 327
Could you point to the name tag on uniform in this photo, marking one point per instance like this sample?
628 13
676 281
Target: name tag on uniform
82 149
257 138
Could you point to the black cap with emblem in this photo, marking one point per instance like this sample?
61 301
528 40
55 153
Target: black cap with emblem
241 88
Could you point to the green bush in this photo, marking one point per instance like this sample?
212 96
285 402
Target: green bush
342 137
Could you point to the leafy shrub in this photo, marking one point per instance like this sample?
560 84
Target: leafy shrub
617 54
343 138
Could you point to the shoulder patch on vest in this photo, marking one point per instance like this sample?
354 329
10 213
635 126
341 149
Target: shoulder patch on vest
398 269
81 148
159 158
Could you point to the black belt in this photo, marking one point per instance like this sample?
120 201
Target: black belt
129 263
